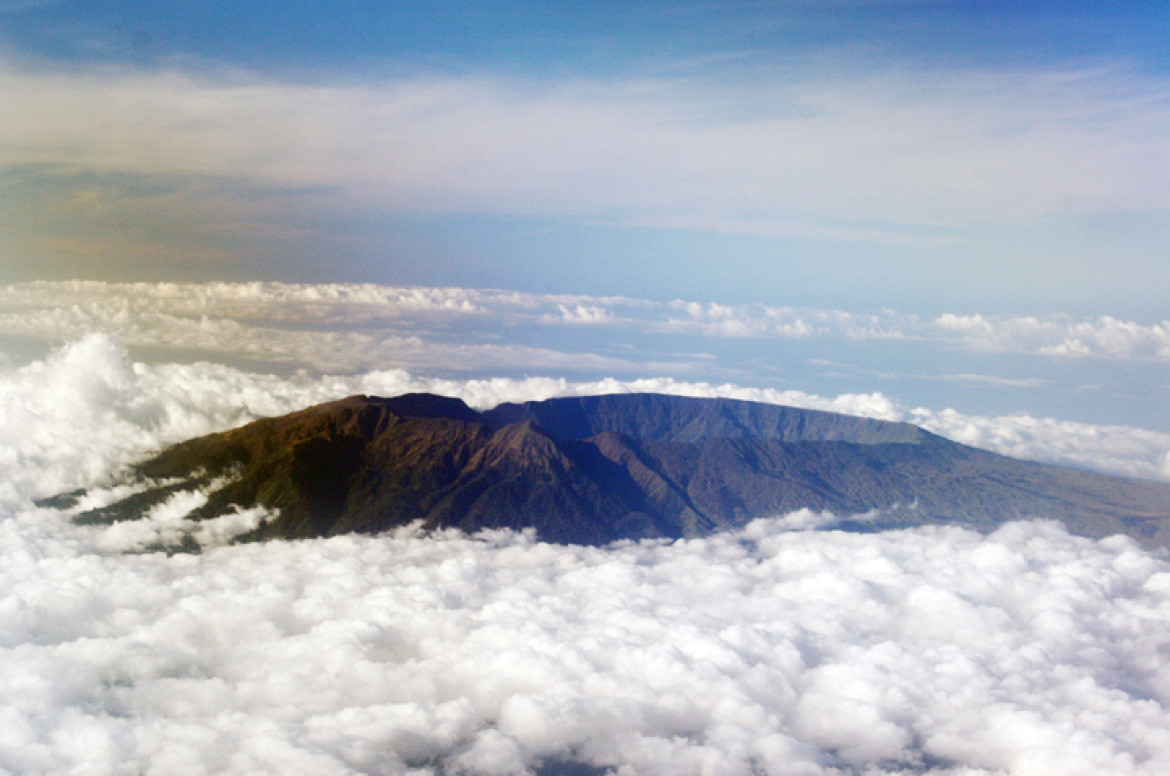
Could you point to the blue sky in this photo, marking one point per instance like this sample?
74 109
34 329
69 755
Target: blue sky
1007 160
907 153
600 37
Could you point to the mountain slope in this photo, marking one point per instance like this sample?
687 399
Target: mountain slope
651 417
595 469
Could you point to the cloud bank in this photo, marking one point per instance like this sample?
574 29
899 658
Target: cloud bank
766 651
347 327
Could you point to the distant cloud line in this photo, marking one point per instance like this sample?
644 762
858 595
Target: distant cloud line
361 325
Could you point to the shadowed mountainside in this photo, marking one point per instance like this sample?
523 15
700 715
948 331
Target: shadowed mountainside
596 469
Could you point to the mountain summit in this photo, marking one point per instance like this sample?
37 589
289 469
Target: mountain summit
596 469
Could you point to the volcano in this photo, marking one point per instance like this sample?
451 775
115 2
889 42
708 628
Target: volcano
593 470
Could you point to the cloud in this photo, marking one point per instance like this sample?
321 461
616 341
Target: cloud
335 328
1113 449
1059 335
586 314
858 155
352 327
765 321
763 651
384 340
165 526
1024 382
1055 335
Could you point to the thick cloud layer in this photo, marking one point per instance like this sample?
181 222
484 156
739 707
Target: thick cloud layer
760 652
773 650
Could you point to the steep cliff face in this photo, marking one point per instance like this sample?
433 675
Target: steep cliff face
596 469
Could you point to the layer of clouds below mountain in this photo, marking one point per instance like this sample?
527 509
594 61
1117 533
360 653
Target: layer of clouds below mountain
765 651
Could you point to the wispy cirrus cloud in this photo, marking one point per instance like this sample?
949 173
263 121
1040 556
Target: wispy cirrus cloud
1019 382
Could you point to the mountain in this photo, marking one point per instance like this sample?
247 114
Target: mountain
596 469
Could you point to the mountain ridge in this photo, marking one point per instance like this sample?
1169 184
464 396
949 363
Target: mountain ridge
592 470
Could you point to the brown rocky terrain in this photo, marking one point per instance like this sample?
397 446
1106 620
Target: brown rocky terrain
597 469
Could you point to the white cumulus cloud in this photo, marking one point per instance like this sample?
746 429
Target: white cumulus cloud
763 651
358 327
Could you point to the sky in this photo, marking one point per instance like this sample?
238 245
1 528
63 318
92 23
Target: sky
931 156
987 182
947 213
